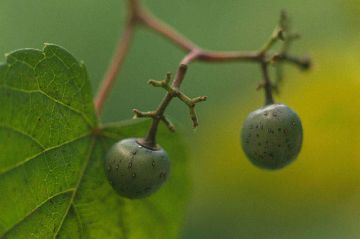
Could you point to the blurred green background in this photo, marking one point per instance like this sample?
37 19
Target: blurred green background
318 196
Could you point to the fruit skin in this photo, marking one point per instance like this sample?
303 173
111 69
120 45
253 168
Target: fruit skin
135 171
272 136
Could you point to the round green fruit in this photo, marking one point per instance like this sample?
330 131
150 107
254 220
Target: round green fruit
135 171
272 136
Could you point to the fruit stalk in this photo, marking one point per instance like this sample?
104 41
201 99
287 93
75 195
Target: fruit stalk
267 84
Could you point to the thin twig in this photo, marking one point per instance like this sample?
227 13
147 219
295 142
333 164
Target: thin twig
116 64
158 26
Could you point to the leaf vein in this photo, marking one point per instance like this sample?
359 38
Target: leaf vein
82 172
6 170
23 133
36 208
88 121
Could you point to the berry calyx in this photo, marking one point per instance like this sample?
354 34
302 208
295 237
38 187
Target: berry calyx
272 136
135 171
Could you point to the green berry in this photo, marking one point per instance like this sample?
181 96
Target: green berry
135 171
272 136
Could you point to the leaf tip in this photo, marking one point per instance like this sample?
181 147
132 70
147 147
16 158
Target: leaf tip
46 45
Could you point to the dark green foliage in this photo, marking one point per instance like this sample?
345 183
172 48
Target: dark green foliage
272 136
52 149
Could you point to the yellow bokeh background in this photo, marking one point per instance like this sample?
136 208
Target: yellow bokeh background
315 197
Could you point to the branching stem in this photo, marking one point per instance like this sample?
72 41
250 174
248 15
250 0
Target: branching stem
138 15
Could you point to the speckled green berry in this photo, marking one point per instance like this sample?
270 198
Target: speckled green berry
135 171
272 136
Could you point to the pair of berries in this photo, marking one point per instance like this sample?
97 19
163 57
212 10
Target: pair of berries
271 138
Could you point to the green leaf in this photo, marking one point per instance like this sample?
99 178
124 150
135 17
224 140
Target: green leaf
52 181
